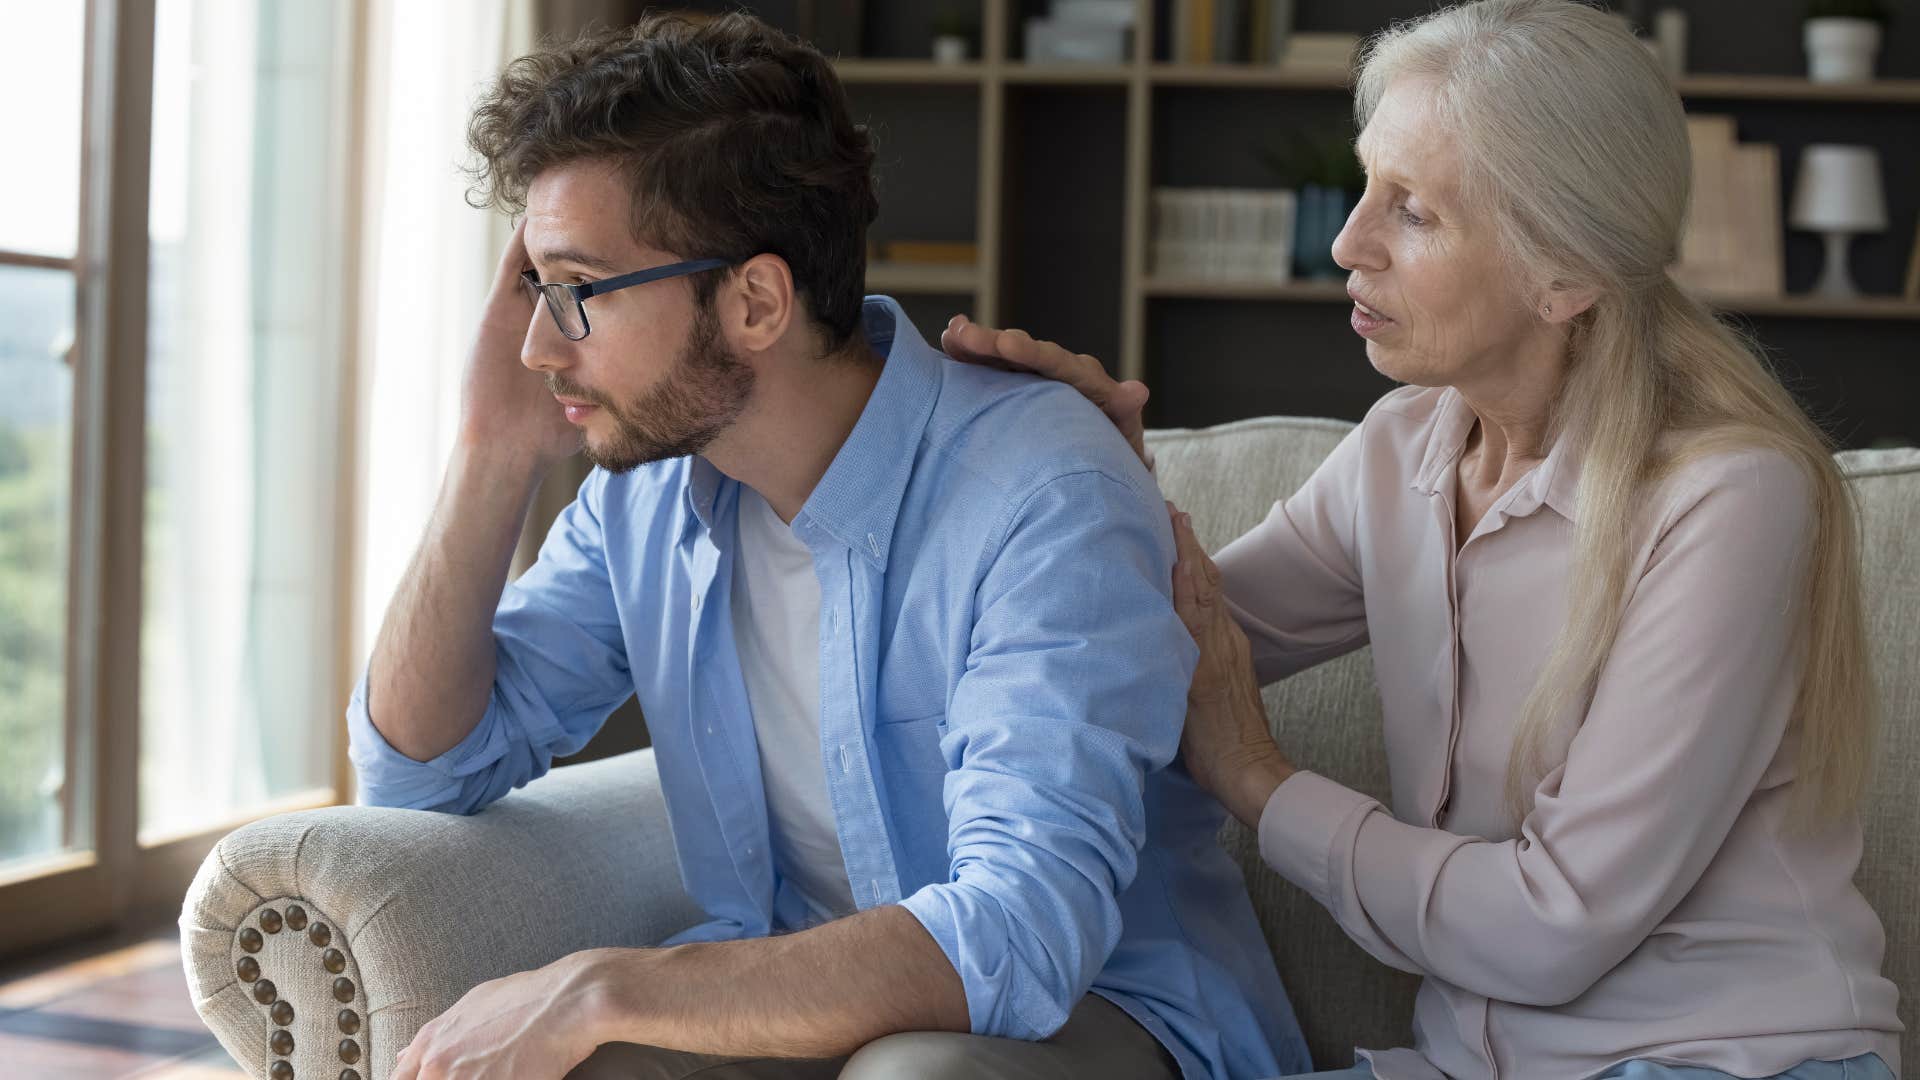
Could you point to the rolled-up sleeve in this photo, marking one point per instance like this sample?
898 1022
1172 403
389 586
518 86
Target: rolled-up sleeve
1075 689
1689 711
560 669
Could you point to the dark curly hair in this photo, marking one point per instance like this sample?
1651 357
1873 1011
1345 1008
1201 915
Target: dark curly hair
734 137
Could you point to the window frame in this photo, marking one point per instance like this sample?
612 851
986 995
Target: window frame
107 878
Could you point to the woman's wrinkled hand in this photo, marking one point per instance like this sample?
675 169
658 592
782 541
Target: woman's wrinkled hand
1016 350
1226 745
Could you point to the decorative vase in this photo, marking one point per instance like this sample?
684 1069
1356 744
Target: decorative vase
949 49
1842 50
1320 213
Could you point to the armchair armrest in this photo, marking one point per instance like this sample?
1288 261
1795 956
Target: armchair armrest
327 938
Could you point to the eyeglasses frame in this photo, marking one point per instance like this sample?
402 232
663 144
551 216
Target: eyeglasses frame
579 293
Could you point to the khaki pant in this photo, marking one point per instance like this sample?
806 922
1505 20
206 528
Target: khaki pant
1098 1040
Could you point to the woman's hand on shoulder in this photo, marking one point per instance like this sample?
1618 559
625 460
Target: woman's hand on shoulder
1016 350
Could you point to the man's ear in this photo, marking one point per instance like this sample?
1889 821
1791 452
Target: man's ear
758 304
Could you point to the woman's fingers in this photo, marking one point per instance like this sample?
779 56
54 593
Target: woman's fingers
1016 350
1187 584
973 344
967 340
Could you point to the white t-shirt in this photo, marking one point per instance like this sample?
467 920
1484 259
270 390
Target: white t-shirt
776 629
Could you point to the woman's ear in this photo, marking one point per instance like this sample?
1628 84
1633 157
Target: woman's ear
758 304
1558 305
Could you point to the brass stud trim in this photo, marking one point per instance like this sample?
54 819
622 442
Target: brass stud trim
270 921
321 935
280 1070
282 1013
349 1074
248 969
343 990
334 961
264 992
281 1042
349 1022
296 917
251 940
349 1051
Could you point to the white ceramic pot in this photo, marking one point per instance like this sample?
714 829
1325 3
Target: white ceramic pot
949 49
1842 50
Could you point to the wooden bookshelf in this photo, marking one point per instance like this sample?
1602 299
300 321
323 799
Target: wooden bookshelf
923 278
1214 289
1793 89
909 72
997 73
1335 292
1785 88
1805 306
1021 73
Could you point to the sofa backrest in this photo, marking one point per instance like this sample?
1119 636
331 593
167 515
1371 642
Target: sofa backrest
1328 719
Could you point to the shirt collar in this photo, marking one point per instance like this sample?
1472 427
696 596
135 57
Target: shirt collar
1555 482
858 499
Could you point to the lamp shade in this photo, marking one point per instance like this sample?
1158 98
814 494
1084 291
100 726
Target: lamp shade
1839 190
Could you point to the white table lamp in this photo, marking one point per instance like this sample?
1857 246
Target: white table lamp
1838 193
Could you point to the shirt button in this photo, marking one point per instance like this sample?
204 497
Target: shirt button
696 601
846 759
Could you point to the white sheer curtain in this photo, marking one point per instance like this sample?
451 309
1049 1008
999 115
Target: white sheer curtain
428 261
242 408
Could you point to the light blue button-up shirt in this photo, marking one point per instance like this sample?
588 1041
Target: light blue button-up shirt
1003 681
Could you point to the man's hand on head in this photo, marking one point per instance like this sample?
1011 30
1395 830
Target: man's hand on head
505 407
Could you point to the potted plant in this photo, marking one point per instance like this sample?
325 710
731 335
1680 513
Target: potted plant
1322 169
953 30
1843 39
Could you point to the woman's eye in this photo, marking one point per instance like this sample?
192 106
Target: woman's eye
1410 217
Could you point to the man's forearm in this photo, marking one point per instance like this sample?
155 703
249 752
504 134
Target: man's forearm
824 992
432 667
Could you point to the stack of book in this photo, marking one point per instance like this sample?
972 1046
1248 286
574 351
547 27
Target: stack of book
1223 234
1732 245
1251 31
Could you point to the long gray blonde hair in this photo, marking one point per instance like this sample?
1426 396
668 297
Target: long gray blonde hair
1575 145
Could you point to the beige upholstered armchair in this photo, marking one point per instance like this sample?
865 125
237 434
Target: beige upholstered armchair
317 943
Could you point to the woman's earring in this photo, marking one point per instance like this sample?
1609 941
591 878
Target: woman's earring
1549 310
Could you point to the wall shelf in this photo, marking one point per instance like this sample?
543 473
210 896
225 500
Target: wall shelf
1799 306
909 72
1254 76
1061 160
922 278
1215 289
1803 306
1796 89
1788 88
1068 74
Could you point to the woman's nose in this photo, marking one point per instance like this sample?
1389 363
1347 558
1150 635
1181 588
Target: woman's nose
1357 248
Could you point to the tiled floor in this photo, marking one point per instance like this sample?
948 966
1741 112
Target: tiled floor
106 1012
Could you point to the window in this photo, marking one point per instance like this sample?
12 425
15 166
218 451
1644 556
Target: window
174 333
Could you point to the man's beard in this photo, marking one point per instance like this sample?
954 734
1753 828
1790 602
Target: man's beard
706 390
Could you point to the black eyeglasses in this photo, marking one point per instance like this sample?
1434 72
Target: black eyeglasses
565 301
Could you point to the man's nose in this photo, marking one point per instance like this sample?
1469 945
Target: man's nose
545 348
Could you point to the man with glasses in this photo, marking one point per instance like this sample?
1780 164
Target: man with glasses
901 628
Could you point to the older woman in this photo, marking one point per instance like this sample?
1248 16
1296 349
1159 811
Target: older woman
1608 571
